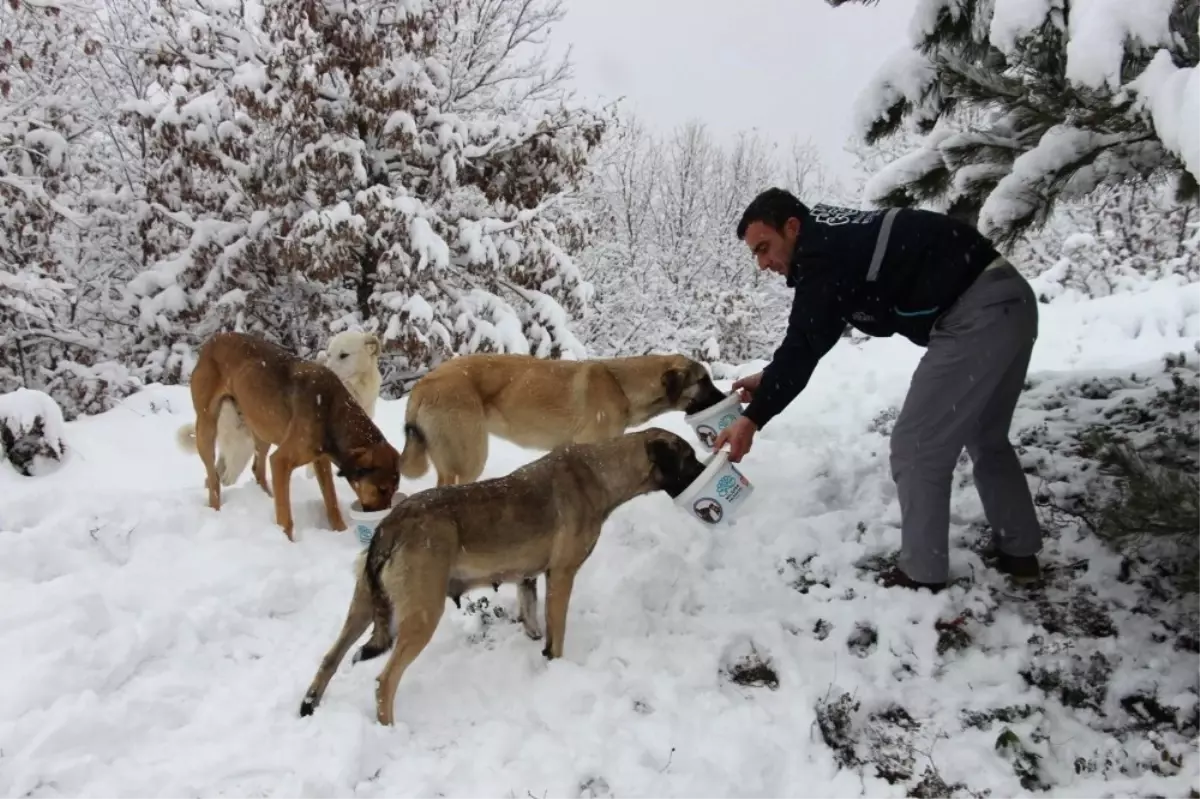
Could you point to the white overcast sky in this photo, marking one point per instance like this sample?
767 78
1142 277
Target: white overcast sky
783 67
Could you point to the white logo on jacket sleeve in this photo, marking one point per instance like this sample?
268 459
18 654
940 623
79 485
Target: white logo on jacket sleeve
836 215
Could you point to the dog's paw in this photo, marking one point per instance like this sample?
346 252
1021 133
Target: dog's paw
308 706
532 630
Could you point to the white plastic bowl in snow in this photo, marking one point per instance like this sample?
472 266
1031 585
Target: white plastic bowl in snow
708 423
365 522
716 496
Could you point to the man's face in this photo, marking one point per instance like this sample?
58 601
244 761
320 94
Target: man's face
771 248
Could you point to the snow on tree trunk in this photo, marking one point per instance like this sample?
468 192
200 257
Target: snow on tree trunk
324 178
31 432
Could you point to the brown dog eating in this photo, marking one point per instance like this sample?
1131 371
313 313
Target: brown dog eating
302 408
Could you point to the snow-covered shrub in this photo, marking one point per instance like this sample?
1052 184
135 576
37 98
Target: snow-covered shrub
1119 453
31 432
46 117
66 191
1124 240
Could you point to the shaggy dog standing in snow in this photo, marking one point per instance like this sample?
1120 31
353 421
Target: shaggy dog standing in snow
543 518
302 408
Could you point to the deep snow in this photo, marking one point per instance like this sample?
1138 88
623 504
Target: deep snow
152 646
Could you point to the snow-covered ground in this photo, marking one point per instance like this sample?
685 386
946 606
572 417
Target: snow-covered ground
150 646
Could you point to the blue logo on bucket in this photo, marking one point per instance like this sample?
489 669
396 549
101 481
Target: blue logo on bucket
729 488
364 532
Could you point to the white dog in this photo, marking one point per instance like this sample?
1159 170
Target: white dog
352 355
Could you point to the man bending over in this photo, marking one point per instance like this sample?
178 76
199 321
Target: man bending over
939 283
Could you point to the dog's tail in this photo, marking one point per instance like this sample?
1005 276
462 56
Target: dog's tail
381 639
185 437
414 460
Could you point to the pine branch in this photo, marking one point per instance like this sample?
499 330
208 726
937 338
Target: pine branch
1016 98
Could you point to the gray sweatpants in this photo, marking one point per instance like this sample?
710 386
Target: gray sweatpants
963 394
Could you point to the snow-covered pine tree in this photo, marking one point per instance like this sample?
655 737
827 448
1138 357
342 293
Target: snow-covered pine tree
46 117
324 180
1052 99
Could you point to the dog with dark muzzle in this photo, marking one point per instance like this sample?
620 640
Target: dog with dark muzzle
544 518
539 403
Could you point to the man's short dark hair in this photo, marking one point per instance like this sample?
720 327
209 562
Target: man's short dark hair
772 207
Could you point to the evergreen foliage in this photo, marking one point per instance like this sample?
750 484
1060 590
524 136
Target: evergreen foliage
1028 104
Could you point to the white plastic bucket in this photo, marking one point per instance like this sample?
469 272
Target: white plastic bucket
716 496
365 522
707 424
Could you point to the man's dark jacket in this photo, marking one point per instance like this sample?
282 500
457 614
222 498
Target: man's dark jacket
925 260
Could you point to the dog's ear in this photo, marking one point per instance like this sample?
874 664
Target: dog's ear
361 456
664 461
674 382
358 463
673 464
372 344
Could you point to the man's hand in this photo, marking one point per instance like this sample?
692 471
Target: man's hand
746 386
739 436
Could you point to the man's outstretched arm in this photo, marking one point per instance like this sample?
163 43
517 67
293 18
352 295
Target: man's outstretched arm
814 326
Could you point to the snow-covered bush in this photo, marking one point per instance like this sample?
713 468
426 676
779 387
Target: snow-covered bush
1124 240
31 432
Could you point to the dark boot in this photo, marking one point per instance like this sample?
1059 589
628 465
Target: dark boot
1023 570
896 578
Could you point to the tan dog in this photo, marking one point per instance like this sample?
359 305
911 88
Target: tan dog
539 404
543 518
303 409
